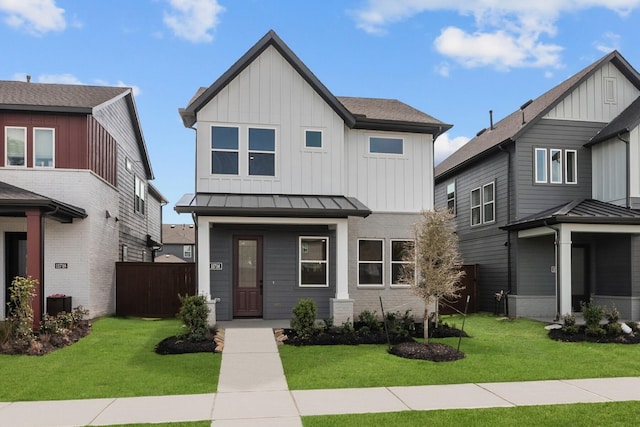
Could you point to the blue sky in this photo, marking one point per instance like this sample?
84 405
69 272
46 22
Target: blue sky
452 59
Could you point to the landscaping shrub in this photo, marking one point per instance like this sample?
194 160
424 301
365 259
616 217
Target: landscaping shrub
20 311
193 313
612 315
369 322
614 329
570 326
401 324
593 314
304 317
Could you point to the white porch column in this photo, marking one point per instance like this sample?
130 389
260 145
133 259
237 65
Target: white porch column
564 261
204 276
341 308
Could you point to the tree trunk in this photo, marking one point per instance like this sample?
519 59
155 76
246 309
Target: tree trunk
426 324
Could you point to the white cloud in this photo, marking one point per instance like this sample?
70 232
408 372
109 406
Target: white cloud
193 20
67 79
610 42
444 146
507 33
33 16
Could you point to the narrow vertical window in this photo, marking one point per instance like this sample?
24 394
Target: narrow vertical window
187 251
571 169
541 165
451 197
224 150
313 139
262 151
15 146
139 196
400 261
488 203
370 263
43 147
476 213
314 261
556 165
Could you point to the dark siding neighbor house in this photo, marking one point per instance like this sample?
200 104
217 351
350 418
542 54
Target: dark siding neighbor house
546 198
178 243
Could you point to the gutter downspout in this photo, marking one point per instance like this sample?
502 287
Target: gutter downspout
509 272
555 256
628 171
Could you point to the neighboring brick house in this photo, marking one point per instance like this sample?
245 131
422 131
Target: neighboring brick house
178 243
301 194
75 196
546 199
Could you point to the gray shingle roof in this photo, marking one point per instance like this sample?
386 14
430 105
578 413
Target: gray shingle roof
386 109
51 96
587 211
182 234
625 122
14 201
512 126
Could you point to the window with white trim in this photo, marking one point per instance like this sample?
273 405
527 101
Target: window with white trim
555 158
187 251
15 146
571 166
451 197
139 196
401 261
313 138
541 165
483 204
550 166
43 147
224 150
262 151
314 261
370 262
380 145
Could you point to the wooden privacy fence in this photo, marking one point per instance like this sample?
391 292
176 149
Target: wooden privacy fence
146 289
470 287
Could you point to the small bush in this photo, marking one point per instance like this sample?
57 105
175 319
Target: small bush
304 317
20 311
193 313
369 320
614 329
612 315
592 313
571 330
569 319
595 331
400 324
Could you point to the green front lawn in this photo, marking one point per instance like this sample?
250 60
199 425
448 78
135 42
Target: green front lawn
115 360
499 350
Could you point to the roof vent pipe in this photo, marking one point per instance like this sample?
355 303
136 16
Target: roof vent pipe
491 119
28 78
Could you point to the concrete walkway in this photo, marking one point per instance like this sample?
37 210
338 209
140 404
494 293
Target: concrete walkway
252 390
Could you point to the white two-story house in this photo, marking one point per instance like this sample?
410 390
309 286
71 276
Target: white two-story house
302 194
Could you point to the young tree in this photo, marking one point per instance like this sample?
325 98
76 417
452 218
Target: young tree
434 269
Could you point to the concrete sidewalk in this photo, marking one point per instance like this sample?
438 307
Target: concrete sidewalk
252 390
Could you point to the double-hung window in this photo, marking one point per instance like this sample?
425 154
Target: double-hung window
370 262
314 261
401 264
15 146
262 151
139 196
224 150
43 147
451 197
483 204
187 251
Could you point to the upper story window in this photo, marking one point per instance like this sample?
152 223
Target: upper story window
555 166
139 196
313 139
370 262
15 146
187 251
451 197
224 150
379 145
400 255
262 152
483 205
314 261
43 147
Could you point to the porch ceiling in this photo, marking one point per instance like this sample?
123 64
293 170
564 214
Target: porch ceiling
583 211
271 205
15 201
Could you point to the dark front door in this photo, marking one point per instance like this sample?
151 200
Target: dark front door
580 291
15 260
247 276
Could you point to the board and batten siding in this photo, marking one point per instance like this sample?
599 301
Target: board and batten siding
591 102
609 166
270 93
562 134
393 182
634 166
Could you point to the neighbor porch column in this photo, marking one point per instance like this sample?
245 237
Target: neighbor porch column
341 308
204 275
564 265
35 261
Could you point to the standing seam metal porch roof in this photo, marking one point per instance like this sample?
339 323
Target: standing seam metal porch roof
271 205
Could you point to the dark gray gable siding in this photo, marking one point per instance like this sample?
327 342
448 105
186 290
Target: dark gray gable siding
562 134
484 244
280 269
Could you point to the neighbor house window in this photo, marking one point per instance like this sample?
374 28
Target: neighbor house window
571 166
401 253
262 151
483 204
224 150
541 165
313 139
556 166
451 197
15 146
380 145
476 211
139 196
187 251
370 262
43 147
314 261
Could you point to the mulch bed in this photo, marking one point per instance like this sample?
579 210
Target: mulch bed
46 343
434 352
581 336
178 345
